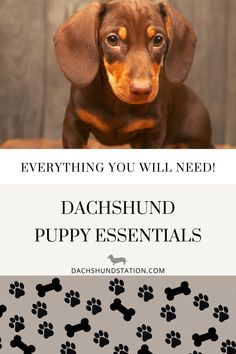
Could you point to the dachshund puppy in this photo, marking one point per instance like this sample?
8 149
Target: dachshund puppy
127 61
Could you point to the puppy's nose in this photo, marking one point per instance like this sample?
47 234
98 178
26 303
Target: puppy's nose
140 88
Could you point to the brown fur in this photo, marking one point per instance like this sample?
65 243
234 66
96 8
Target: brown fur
93 120
133 91
139 124
168 26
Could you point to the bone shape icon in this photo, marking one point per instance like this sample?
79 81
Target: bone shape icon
200 338
128 313
26 349
82 326
54 285
182 289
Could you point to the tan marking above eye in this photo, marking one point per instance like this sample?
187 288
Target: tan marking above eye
122 33
151 32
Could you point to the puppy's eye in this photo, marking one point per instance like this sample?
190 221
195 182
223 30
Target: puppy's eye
158 40
113 40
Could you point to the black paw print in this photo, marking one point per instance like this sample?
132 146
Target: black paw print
39 309
17 323
144 350
3 309
68 348
94 305
195 352
117 286
146 293
173 338
221 312
0 343
72 298
122 349
144 332
168 313
228 347
101 338
17 289
201 301
46 329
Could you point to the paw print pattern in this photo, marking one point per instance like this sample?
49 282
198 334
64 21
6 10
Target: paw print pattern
168 313
3 309
173 339
68 348
146 293
122 349
0 343
39 309
196 352
228 347
17 289
221 313
46 329
94 306
144 350
144 332
72 298
201 301
117 286
17 323
101 338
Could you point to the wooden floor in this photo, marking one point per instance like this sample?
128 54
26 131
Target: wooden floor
57 144
48 144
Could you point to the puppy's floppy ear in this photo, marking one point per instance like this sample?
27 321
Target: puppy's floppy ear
181 46
76 45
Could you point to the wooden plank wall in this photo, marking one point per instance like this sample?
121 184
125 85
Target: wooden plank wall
33 92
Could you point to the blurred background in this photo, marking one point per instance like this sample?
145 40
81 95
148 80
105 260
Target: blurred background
34 92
